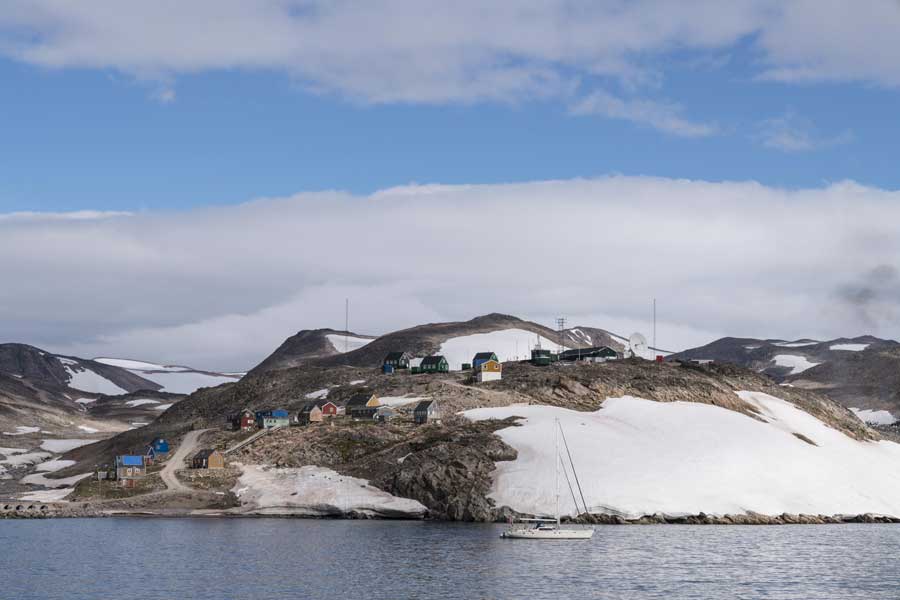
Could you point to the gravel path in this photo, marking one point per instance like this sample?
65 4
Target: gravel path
188 445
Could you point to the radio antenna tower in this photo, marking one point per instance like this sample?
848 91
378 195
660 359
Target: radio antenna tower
653 329
346 323
560 327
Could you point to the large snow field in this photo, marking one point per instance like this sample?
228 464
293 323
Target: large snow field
185 382
138 365
639 457
89 381
797 363
25 459
61 446
507 344
54 465
316 491
849 347
352 343
876 417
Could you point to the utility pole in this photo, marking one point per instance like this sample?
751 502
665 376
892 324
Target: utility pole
560 326
346 323
654 329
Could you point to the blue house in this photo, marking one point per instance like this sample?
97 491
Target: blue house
130 467
268 419
160 446
483 357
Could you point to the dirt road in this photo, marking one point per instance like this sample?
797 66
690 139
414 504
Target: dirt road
186 448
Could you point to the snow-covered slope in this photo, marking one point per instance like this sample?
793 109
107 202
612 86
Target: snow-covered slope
347 343
174 379
507 344
796 363
875 417
640 457
86 380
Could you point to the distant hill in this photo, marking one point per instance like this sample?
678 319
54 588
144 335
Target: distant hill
861 372
508 336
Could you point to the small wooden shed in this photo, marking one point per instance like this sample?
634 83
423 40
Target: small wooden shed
208 459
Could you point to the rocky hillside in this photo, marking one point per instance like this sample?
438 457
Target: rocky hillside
308 345
861 372
68 372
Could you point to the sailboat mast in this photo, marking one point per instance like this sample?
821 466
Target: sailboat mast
556 431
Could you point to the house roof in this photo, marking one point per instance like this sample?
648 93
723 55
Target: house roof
484 356
360 399
433 360
205 453
395 356
423 405
130 460
313 404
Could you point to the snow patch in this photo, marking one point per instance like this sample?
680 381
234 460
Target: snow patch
26 459
316 491
507 344
797 363
86 400
54 465
23 430
140 424
875 417
849 347
357 382
46 495
163 407
394 401
642 457
317 395
86 380
62 446
352 343
87 429
141 402
40 479
794 344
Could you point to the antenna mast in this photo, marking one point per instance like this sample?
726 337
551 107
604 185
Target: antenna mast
654 328
560 326
346 323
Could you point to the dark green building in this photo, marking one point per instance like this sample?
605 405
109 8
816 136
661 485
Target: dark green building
434 364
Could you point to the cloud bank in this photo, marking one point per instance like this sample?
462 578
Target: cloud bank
222 287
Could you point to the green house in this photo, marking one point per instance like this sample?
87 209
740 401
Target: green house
541 357
434 364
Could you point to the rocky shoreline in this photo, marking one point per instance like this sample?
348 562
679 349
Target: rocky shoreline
37 510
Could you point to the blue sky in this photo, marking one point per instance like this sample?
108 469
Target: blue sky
96 133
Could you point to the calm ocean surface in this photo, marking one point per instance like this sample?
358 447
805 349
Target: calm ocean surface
286 558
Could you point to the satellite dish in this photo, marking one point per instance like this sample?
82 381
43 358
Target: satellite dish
637 343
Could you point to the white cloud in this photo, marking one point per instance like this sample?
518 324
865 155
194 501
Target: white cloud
661 116
790 133
221 287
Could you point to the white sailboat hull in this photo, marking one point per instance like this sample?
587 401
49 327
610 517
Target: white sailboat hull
549 534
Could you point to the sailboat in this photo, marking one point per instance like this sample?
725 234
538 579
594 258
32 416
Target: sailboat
552 529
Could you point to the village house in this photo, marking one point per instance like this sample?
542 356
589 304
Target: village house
242 421
208 459
160 447
396 360
130 468
268 419
316 411
149 455
434 364
426 411
362 406
482 357
541 357
596 354
489 370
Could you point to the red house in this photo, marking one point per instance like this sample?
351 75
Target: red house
329 409
243 421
